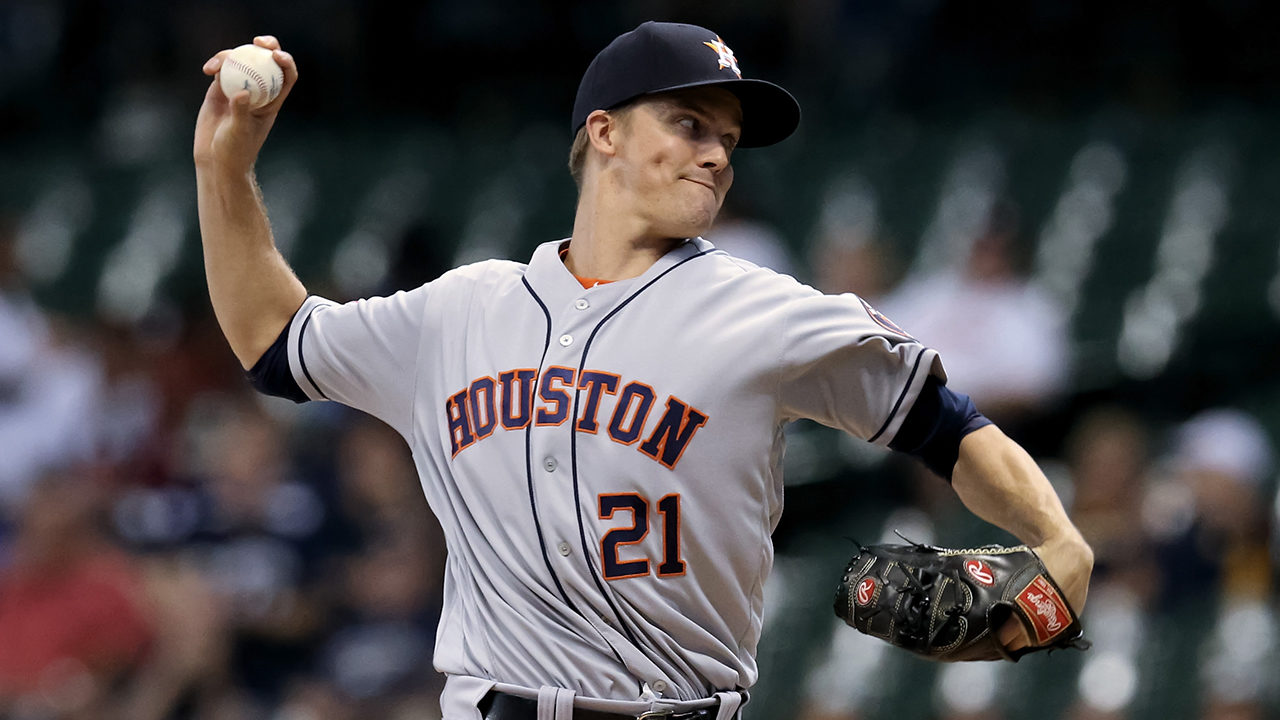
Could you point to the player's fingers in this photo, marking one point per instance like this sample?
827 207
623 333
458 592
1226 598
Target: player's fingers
1013 636
213 64
240 104
267 41
288 65
290 70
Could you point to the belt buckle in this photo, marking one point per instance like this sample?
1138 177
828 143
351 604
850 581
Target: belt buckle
648 714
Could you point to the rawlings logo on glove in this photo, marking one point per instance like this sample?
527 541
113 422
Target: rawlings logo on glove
949 605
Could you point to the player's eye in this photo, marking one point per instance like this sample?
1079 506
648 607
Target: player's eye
688 123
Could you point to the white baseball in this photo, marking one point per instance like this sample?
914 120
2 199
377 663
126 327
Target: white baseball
251 68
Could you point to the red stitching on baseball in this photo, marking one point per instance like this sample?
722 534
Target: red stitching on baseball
251 72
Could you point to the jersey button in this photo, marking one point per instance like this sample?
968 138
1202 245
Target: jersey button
549 464
582 304
563 547
659 686
566 340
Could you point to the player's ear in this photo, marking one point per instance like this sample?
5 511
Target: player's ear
602 132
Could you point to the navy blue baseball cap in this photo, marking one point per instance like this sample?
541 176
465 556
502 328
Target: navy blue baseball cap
658 57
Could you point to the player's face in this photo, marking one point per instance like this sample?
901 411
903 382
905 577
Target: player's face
675 152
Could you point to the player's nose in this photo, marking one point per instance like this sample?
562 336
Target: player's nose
713 156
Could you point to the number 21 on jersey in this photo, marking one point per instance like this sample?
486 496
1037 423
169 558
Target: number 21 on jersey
614 568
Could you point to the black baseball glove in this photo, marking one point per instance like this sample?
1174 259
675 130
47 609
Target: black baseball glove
949 605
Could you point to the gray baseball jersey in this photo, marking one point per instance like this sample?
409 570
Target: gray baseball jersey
606 462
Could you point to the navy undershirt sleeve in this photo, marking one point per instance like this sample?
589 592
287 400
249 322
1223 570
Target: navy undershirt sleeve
271 374
938 421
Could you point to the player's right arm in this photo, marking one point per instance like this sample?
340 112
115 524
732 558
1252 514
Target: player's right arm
252 288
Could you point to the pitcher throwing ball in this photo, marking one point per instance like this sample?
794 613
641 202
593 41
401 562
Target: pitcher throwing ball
600 430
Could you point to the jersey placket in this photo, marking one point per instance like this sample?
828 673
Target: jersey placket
580 327
563 502
559 499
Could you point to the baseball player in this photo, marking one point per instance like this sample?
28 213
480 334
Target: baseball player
600 430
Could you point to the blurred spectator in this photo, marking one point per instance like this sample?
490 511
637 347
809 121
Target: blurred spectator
377 658
381 655
849 263
131 436
49 386
262 543
74 620
1211 515
186 670
378 486
1108 456
1108 459
1210 519
1001 339
848 253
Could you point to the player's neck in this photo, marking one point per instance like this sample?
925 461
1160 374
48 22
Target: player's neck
612 248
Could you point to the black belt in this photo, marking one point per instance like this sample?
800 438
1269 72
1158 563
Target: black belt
502 706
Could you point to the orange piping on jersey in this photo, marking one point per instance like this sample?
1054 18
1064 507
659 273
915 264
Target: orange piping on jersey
588 283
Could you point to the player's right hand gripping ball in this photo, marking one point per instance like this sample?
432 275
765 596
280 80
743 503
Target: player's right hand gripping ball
949 605
251 68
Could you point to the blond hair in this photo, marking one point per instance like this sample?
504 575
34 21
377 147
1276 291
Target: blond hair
578 156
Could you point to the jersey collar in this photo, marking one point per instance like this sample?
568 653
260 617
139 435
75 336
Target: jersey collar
556 286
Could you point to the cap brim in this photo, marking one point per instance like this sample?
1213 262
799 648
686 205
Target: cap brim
769 113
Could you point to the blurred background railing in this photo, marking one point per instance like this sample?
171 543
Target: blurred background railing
1075 202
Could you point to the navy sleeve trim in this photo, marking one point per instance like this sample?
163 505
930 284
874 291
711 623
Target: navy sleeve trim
271 374
901 396
302 359
938 421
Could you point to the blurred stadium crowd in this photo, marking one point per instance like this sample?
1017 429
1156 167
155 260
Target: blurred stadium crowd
1073 201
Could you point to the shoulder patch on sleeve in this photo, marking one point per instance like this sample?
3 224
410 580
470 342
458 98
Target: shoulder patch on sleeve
883 320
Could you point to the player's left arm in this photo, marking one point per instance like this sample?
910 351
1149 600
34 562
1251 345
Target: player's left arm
998 481
847 366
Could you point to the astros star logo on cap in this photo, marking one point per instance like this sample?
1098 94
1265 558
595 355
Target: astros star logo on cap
727 60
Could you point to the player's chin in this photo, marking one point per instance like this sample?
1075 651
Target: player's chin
697 217
693 225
